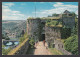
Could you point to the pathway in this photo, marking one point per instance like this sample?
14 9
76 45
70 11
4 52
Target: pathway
41 49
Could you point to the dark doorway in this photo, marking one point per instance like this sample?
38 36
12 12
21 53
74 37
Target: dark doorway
43 37
53 45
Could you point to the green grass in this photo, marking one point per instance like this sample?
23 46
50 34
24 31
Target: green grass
54 25
54 51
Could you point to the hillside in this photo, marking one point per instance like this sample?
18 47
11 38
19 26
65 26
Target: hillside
13 27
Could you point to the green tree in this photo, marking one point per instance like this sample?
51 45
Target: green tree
7 39
55 15
73 14
23 37
5 51
3 37
37 18
49 16
71 44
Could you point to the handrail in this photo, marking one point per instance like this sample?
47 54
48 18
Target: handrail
13 51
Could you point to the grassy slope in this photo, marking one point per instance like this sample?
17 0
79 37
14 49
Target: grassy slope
54 51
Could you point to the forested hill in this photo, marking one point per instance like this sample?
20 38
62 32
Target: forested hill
13 26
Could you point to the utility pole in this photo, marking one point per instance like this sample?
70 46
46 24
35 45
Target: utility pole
35 18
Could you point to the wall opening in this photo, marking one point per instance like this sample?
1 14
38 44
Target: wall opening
43 37
53 46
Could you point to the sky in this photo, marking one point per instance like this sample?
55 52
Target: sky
24 10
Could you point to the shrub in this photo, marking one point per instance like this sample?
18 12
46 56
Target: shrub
30 18
37 18
31 42
51 22
7 39
65 33
23 37
5 51
71 44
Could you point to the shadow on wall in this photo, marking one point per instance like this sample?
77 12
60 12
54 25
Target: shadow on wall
65 33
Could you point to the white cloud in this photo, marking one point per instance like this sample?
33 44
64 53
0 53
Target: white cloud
9 14
8 4
58 8
58 3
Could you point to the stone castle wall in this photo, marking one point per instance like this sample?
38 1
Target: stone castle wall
58 44
33 29
21 49
51 34
36 27
53 39
69 22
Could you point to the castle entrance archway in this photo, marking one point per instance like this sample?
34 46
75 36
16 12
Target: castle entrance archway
43 37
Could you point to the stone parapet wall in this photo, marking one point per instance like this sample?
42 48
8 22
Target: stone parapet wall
21 49
60 46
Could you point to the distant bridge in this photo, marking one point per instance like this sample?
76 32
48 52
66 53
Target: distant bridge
11 40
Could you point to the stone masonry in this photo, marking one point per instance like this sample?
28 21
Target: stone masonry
36 28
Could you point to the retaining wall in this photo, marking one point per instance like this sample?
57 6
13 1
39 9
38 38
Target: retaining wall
21 49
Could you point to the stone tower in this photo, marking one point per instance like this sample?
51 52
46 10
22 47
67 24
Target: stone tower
33 29
68 19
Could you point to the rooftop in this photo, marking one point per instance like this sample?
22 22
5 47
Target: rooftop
66 12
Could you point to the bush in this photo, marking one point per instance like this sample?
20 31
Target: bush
7 39
54 23
55 15
31 42
5 51
23 38
51 22
65 33
30 18
71 44
37 18
3 37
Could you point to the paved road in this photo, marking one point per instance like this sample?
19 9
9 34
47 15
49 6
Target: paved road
41 49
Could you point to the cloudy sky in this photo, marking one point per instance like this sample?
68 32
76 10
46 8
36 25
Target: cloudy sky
23 10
